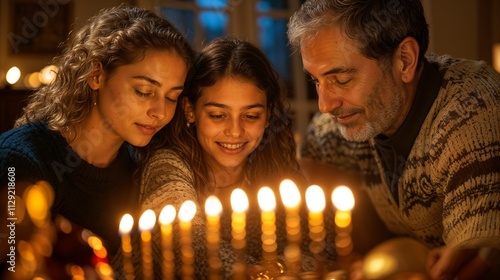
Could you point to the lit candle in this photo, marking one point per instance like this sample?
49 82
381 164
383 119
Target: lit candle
146 224
213 209
126 224
343 200
267 203
239 205
290 196
167 216
186 214
315 200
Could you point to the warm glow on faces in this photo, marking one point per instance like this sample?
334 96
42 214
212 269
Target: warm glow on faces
138 99
352 88
230 118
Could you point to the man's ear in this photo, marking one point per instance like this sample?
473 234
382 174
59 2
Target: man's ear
188 108
96 78
407 59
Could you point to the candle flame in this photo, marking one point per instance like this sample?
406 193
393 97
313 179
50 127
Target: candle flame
167 215
289 193
213 207
315 199
147 220
187 211
266 198
126 223
342 198
239 201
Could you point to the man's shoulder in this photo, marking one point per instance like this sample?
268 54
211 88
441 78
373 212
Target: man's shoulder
469 88
464 72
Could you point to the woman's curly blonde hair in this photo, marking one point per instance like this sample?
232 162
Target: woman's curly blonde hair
114 37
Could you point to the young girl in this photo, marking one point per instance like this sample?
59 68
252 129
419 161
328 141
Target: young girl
233 130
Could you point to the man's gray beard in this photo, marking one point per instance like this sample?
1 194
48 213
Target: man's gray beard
367 133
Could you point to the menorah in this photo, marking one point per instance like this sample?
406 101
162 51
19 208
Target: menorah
341 197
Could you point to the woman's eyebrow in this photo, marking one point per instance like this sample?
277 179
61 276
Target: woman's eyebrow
148 79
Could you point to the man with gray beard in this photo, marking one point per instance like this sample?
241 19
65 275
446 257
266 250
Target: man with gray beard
422 130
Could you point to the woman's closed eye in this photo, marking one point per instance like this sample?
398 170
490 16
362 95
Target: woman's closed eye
143 94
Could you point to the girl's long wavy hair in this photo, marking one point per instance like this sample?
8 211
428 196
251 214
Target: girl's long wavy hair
275 157
114 37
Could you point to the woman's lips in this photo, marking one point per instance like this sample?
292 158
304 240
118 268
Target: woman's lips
147 129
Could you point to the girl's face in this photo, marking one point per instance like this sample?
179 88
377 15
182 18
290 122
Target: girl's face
137 100
230 119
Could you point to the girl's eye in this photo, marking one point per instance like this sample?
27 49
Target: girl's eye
252 117
217 116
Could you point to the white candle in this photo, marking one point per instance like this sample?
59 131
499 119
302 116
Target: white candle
267 203
166 218
315 200
146 224
126 224
343 200
239 205
291 198
213 209
186 214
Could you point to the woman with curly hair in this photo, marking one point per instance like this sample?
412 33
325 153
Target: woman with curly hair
117 85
